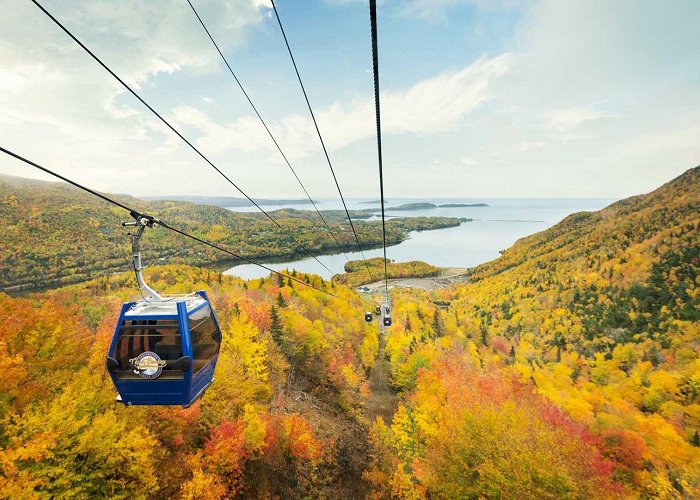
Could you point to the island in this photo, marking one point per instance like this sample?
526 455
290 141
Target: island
357 271
459 205
430 206
414 206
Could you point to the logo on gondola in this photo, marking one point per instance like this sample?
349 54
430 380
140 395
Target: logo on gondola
148 365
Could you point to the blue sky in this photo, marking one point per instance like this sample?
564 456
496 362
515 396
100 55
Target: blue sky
547 98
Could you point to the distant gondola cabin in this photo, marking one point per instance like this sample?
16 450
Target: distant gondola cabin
164 352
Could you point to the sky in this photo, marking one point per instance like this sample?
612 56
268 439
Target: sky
480 98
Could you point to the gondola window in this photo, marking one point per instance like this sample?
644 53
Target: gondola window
205 336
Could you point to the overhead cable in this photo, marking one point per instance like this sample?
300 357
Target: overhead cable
320 137
375 67
136 213
184 139
267 129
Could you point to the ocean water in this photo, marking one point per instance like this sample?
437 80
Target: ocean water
494 228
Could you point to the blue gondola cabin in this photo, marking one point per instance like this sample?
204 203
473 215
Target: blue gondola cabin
164 352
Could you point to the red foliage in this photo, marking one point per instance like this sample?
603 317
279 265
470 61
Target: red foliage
226 445
300 438
463 390
258 314
623 447
290 435
273 440
501 345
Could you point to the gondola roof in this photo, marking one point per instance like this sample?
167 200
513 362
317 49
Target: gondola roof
166 307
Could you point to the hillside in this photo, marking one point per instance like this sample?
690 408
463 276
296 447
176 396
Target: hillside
283 418
600 314
568 368
56 234
226 201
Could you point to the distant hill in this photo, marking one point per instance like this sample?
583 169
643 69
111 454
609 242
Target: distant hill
226 201
428 206
56 234
635 224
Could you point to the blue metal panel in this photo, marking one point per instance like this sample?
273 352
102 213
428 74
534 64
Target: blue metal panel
184 329
186 346
196 395
152 392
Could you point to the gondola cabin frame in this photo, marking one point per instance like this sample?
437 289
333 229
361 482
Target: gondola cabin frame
164 352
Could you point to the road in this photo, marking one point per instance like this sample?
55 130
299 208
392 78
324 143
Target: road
448 276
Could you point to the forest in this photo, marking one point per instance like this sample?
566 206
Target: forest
359 272
56 234
567 368
592 328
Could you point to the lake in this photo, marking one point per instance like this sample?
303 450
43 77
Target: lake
494 228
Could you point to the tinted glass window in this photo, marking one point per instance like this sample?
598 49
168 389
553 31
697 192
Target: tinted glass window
206 337
158 336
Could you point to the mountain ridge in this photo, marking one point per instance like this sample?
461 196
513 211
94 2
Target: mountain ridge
55 233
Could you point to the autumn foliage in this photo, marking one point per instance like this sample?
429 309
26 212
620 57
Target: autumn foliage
598 316
568 368
62 434
359 272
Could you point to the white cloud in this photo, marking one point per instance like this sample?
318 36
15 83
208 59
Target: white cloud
429 107
659 143
529 146
57 106
438 104
245 134
567 119
437 9
621 79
